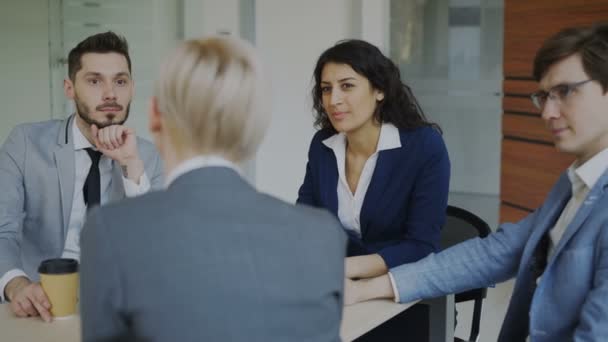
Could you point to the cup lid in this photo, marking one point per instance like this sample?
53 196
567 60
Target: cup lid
58 266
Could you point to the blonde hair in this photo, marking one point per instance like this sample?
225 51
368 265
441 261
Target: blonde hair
211 96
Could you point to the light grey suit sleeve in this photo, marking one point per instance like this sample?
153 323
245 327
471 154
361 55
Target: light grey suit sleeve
472 264
152 164
12 161
100 293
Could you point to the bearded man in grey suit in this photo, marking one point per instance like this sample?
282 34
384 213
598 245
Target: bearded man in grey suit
210 258
52 171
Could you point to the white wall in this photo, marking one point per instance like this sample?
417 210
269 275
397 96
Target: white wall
209 17
24 63
373 18
290 36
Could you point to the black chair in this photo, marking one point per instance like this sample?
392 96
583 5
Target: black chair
462 225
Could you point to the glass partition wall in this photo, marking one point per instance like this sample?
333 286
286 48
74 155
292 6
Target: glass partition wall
450 53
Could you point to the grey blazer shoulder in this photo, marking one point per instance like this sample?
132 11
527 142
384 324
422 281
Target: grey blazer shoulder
37 178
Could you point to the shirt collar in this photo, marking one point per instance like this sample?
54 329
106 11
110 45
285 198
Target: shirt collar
80 142
591 170
200 162
389 139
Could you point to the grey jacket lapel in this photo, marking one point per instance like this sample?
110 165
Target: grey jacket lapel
64 161
557 201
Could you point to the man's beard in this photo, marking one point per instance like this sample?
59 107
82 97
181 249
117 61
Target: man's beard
85 113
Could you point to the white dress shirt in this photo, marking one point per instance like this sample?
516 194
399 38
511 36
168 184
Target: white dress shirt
582 178
349 204
82 164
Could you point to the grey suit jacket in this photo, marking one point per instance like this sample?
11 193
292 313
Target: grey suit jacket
37 186
211 259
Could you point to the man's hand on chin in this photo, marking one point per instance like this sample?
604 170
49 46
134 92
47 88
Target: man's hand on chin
120 144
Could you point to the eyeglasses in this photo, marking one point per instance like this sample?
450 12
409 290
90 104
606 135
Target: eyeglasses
557 93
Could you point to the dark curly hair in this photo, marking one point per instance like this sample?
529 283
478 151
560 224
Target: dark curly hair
590 42
399 105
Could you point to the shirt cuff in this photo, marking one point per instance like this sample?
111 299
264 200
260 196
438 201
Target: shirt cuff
132 189
394 286
6 278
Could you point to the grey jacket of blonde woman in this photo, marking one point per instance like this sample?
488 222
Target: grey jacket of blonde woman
211 259
36 190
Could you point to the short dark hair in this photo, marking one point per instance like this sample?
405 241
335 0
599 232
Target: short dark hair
399 105
590 42
99 43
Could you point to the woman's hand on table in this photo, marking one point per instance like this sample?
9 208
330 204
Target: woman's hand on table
356 291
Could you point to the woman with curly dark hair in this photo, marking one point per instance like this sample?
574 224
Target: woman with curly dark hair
376 162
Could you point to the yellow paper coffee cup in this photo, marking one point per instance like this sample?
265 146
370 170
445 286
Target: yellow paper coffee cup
59 280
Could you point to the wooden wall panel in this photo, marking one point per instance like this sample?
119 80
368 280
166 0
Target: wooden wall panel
519 104
519 87
528 23
511 214
530 164
526 127
528 172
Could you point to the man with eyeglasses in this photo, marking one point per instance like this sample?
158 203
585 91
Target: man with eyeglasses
559 253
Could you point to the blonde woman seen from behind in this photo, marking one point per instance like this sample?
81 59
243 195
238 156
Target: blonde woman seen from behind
210 258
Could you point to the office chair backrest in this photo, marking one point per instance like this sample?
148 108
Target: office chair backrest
462 225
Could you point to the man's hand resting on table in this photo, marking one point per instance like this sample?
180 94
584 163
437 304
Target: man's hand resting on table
28 299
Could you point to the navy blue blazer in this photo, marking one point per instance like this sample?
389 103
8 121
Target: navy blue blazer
404 207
